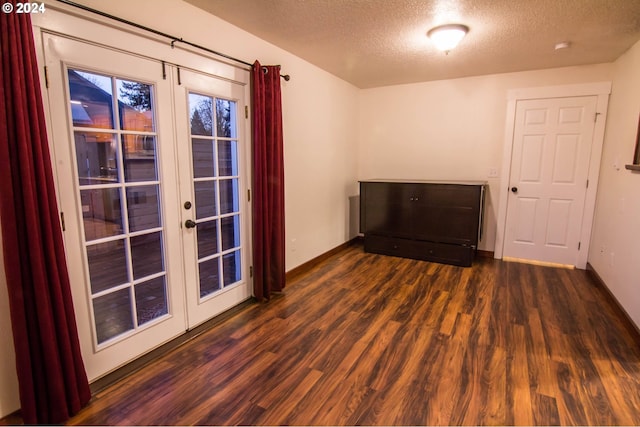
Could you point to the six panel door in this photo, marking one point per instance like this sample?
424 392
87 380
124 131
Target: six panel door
549 169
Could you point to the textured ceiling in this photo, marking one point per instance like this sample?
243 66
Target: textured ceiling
373 43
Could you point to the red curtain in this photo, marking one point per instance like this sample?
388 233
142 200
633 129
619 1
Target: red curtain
268 183
52 379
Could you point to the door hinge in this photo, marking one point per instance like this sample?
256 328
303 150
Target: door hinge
587 183
46 77
64 228
251 271
595 119
246 111
248 195
164 70
579 245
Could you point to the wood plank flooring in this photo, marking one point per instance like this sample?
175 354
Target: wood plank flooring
365 339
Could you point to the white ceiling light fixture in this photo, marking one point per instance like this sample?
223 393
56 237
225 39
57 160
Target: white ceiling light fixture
447 37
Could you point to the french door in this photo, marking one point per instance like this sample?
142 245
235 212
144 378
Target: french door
212 194
150 165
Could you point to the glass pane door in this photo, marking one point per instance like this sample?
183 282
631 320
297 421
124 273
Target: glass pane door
216 237
112 124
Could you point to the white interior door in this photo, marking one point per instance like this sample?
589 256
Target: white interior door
112 129
552 145
211 128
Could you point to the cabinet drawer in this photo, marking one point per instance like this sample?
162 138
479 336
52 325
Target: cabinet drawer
417 249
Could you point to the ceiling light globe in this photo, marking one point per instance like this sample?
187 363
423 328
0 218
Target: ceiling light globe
447 37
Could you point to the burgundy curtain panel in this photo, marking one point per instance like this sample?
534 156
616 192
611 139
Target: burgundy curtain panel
268 183
52 379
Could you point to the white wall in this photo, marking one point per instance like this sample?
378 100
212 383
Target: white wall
320 165
449 129
615 243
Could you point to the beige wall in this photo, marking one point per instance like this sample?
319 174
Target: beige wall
615 242
449 129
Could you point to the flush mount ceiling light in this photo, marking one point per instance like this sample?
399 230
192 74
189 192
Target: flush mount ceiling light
447 37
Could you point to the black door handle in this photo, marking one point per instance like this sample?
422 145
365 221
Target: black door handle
189 223
514 189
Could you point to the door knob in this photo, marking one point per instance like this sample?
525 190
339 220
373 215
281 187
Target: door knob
189 223
514 189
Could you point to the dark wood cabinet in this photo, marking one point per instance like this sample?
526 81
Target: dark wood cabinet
430 220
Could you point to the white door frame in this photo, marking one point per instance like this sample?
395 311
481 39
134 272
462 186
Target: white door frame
599 89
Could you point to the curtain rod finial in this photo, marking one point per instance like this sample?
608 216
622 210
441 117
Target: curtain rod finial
286 77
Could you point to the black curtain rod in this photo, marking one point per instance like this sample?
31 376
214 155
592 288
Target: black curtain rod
174 39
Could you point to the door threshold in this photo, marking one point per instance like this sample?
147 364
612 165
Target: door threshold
540 263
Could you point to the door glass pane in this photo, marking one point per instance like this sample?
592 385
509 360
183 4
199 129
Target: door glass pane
96 157
139 158
207 234
201 114
134 105
209 277
229 196
143 207
101 213
151 300
122 161
91 99
146 255
231 267
230 229
107 265
228 158
202 152
215 155
113 315
226 118
205 198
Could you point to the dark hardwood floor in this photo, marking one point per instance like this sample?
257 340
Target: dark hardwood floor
366 339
